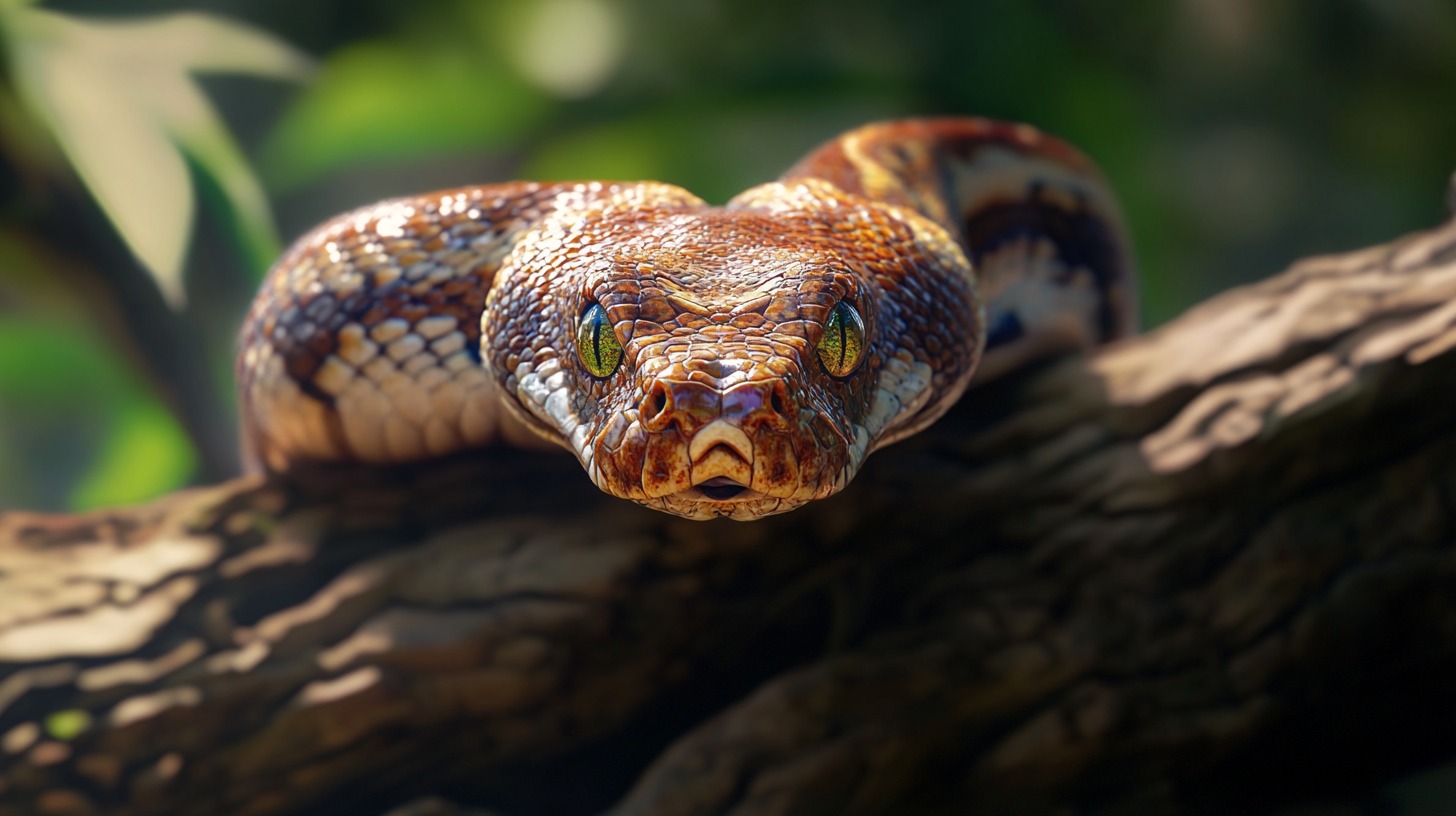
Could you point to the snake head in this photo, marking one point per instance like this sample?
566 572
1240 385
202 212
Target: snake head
731 362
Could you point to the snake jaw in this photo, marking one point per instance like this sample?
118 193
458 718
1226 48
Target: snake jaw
722 489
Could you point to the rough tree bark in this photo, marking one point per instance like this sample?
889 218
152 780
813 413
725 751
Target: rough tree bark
1205 571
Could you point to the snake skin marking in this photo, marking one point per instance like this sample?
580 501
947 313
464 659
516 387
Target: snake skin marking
450 321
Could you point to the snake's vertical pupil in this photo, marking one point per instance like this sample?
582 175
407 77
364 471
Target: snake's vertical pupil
596 343
843 334
597 335
842 344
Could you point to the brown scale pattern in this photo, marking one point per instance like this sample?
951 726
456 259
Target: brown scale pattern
943 168
427 325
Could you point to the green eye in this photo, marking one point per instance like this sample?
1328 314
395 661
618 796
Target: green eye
843 342
596 343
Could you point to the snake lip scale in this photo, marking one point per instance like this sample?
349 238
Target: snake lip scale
732 361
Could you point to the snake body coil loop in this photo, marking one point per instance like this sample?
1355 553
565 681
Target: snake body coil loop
706 361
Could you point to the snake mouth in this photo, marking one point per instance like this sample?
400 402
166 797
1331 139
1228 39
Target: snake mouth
720 488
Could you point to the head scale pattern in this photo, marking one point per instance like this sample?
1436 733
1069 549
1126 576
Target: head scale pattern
721 405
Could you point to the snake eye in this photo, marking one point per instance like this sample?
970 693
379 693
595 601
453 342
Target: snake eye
596 343
843 342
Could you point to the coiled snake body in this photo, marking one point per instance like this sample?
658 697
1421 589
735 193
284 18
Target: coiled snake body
705 361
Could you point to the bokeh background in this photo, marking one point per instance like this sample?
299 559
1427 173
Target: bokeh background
151 165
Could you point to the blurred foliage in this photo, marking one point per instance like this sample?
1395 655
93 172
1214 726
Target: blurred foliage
1240 133
68 724
120 99
114 105
80 408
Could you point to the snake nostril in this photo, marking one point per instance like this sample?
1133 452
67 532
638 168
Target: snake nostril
776 402
655 405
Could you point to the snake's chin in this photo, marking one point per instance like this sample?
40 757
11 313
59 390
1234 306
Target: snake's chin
746 505
721 497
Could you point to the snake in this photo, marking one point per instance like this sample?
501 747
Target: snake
706 361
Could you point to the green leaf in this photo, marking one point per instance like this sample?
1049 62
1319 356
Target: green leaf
118 148
194 124
201 43
122 104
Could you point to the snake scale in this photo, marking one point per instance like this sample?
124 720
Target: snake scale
705 361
